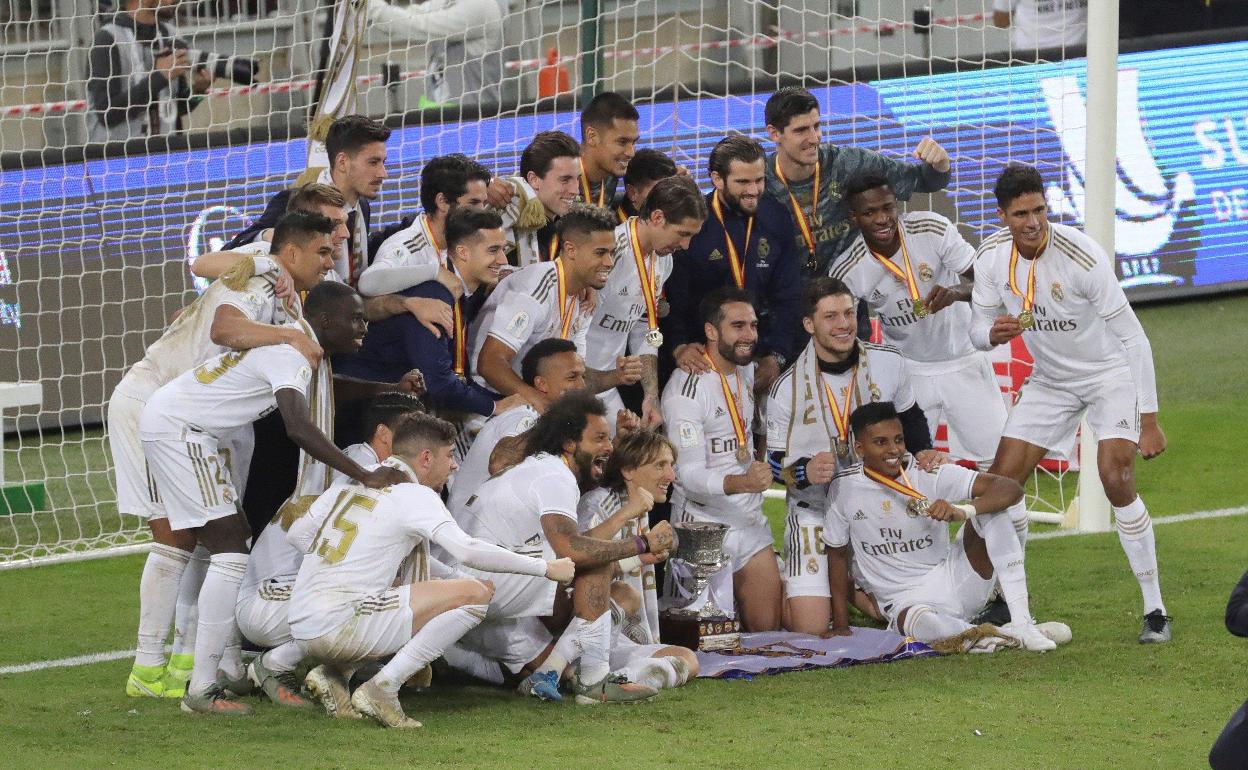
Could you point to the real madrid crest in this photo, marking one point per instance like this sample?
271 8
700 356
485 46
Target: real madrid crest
876 395
812 566
887 506
1057 292
925 272
764 248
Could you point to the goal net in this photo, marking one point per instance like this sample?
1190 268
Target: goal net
95 241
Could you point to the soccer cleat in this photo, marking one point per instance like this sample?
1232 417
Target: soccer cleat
1156 628
177 674
215 701
543 685
1057 631
370 700
281 687
146 682
1029 636
328 686
236 687
996 612
612 688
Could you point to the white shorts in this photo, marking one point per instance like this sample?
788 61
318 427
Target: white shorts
625 651
969 401
518 596
136 489
952 587
262 614
513 643
742 543
805 564
1048 415
380 625
192 479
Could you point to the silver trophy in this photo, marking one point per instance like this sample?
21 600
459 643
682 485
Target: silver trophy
699 622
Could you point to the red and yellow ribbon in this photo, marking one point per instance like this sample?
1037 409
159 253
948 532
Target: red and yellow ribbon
840 417
906 276
803 224
734 411
461 339
902 486
1029 297
602 189
567 305
554 248
433 239
621 214
646 274
735 259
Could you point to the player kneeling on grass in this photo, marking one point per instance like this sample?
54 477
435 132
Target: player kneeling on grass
182 427
639 474
347 608
894 515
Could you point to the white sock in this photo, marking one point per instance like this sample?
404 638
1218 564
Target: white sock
658 673
474 664
232 656
283 658
593 641
217 598
187 616
1135 532
158 597
1022 523
429 643
926 625
1007 562
565 650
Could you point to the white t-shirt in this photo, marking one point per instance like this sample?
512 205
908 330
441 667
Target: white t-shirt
187 342
1076 293
225 392
474 468
938 256
1045 23
619 325
364 456
271 566
698 423
508 509
409 257
522 311
893 547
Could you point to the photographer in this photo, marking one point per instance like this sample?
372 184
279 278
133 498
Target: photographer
1230 750
142 78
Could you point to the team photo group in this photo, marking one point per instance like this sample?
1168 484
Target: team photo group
463 446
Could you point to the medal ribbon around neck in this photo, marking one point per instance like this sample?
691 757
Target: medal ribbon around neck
567 305
553 254
735 258
734 411
433 239
461 341
840 417
1029 298
906 276
902 486
808 232
602 189
648 290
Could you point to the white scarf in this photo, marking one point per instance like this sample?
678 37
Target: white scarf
811 429
314 476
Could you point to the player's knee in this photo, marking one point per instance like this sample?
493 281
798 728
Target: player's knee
478 592
626 598
689 659
1118 479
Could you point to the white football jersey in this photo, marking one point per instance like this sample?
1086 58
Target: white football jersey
413 246
893 546
364 538
522 311
474 467
187 342
271 566
620 324
1076 293
598 505
226 392
938 256
507 510
698 423
885 377
363 454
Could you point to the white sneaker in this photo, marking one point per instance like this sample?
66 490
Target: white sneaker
1057 631
1029 636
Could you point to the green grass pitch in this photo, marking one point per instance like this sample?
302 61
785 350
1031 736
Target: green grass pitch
1102 701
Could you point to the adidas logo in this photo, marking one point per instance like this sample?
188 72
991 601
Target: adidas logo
1124 424
714 255
533 540
719 411
624 292
859 516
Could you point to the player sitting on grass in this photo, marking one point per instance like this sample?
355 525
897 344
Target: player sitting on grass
347 607
181 429
893 515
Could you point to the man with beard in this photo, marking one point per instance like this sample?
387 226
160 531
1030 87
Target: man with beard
639 474
631 304
808 437
546 300
747 242
718 479
532 509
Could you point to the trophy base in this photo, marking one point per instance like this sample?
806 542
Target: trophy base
718 632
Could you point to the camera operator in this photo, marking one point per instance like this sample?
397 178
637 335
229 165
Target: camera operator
142 78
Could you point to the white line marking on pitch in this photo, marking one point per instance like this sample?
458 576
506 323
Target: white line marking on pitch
102 657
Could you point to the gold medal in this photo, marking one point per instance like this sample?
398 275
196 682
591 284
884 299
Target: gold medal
743 453
739 427
649 286
807 227
654 338
920 309
1026 319
905 274
918 503
842 449
918 507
